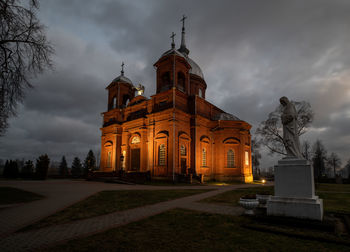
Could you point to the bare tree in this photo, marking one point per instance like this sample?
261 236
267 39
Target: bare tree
306 150
319 158
256 156
334 162
24 53
270 131
347 168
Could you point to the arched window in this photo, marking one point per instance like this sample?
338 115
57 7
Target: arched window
126 100
114 102
181 81
230 159
161 154
165 81
200 93
183 150
135 140
204 157
109 159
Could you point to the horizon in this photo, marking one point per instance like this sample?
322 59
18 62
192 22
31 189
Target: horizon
251 54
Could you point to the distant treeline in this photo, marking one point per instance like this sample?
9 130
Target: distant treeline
13 169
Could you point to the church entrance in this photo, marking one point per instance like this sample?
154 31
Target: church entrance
135 159
183 166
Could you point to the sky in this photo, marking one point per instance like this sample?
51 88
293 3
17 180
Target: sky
251 53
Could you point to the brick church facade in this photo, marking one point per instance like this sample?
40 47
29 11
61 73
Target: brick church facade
175 131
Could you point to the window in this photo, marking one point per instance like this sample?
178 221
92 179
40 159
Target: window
181 81
165 81
126 100
135 140
124 159
161 155
204 157
200 93
114 102
109 159
246 158
182 150
230 159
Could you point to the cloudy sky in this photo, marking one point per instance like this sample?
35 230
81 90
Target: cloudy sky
251 53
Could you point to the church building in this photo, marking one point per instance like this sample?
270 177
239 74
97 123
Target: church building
176 131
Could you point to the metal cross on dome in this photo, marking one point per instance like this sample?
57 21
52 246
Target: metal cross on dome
122 71
183 20
172 37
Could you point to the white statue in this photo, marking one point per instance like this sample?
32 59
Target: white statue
290 128
140 89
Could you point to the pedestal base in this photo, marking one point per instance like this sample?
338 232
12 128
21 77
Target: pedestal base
295 191
305 208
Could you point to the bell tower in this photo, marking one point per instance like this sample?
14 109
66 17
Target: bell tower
120 91
172 70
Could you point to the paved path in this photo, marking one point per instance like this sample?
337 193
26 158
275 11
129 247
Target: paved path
59 195
68 192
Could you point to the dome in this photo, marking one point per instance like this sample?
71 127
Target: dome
172 51
226 117
195 69
122 78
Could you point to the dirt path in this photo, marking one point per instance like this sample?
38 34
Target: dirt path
60 194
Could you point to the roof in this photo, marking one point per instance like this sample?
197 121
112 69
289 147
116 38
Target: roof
226 117
195 69
122 78
173 51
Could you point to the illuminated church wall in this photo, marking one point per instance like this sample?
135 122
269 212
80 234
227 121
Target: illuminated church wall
175 131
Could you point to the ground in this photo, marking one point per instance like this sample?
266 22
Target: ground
169 218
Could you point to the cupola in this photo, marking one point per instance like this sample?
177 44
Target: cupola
120 91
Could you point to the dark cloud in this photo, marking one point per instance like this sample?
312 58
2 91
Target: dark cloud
251 53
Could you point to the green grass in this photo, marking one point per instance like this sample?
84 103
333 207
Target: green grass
111 201
232 197
336 198
335 202
10 195
184 230
333 187
170 183
233 182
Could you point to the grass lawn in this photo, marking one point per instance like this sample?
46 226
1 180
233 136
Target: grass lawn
169 183
336 198
111 201
10 195
335 202
185 230
232 197
333 187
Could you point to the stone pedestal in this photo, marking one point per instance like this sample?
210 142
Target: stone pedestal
295 191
